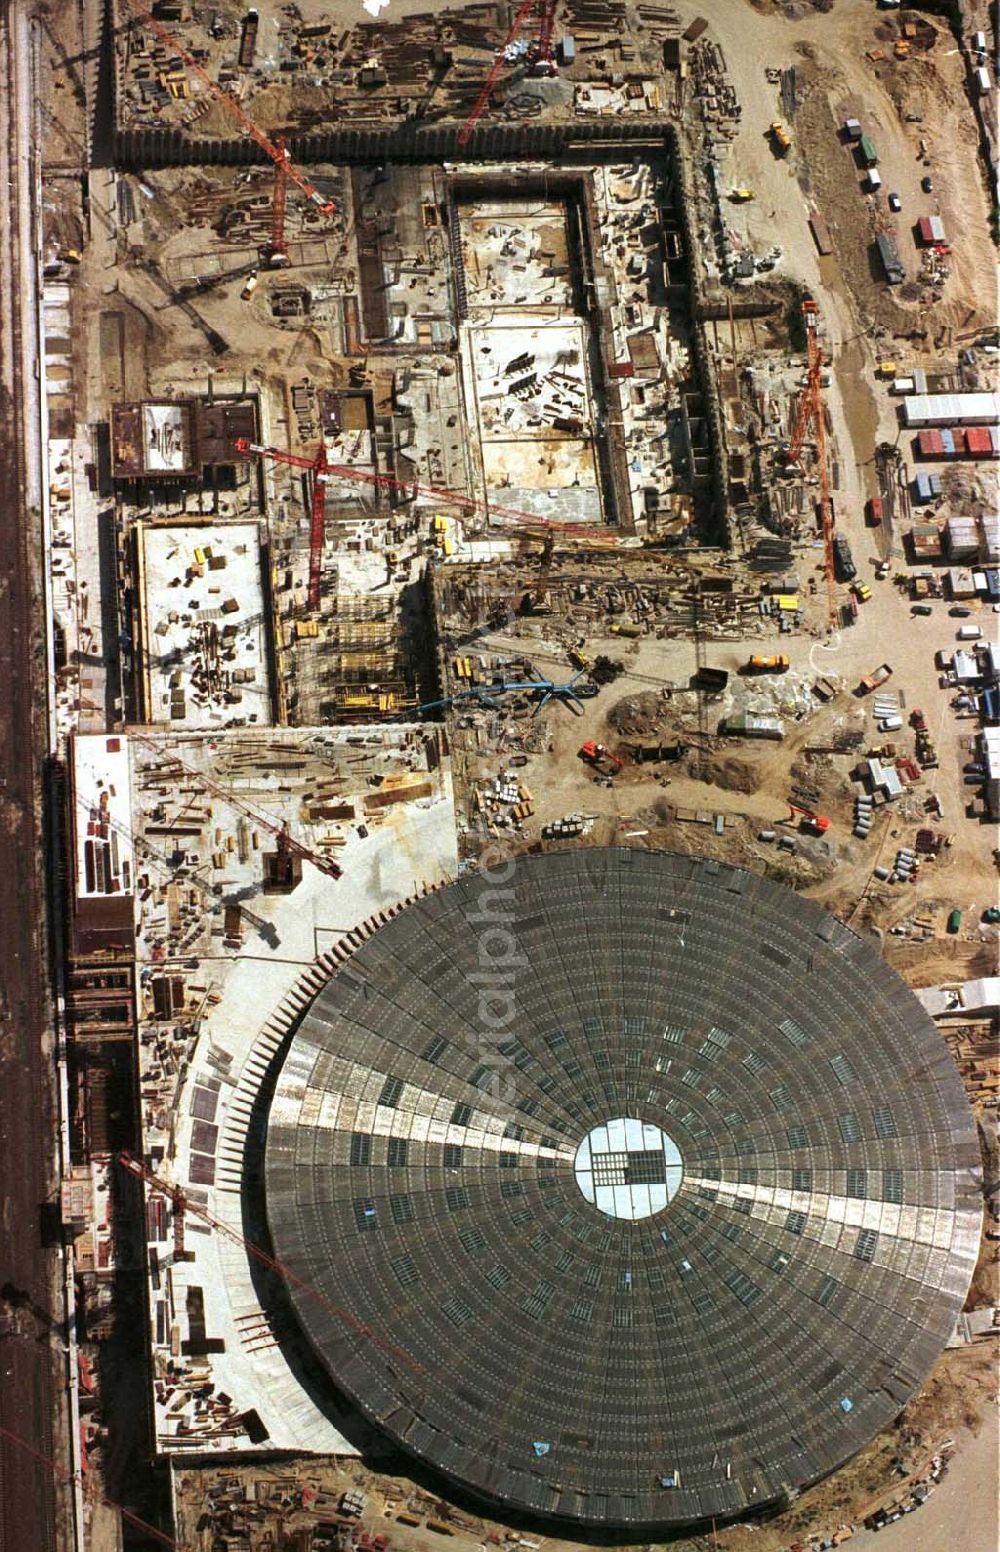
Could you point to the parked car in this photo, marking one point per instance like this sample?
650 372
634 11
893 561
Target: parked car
959 612
927 184
975 781
895 203
921 609
973 768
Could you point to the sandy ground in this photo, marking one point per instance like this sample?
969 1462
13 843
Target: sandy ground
962 1513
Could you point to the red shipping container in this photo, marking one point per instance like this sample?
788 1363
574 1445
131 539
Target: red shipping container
978 442
621 369
931 444
958 436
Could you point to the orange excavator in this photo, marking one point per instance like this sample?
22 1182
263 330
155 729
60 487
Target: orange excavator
600 757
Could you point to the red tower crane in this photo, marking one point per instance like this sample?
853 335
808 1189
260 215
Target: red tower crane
811 408
321 471
525 10
284 167
324 471
183 1204
277 253
544 61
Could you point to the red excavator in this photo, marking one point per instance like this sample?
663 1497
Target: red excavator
600 757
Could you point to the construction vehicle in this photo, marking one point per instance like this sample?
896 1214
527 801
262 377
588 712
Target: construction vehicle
741 196
276 252
776 664
248 39
862 592
250 287
780 136
874 679
599 755
818 824
712 680
580 659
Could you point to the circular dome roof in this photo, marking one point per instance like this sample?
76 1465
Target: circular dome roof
628 1188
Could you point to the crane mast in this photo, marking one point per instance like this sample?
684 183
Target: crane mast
811 407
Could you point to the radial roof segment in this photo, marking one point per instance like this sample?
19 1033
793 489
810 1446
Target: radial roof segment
649 1191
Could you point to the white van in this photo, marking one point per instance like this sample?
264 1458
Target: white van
890 724
968 633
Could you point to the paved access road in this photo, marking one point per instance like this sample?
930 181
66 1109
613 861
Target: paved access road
32 1363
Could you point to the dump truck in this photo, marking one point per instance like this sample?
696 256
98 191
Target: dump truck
875 678
776 664
843 560
780 136
713 680
248 38
741 196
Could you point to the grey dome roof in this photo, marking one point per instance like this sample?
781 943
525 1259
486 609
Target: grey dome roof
423 1177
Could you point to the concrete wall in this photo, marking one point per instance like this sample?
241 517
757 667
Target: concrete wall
408 142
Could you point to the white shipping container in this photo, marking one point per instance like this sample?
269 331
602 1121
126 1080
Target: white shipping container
902 385
874 179
982 80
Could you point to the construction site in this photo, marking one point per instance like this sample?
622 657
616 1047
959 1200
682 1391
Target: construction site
502 442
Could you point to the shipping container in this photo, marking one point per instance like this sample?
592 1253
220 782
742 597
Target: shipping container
821 233
982 80
852 130
902 385
869 155
931 229
873 182
930 445
978 443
